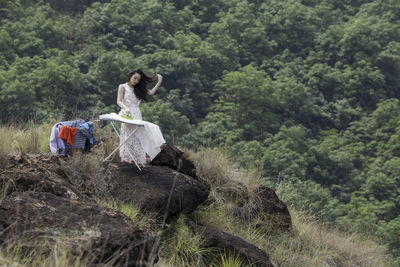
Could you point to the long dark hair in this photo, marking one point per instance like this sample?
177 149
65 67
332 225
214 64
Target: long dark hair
140 89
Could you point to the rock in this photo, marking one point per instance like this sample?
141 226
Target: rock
273 208
42 173
37 173
37 180
151 189
232 244
45 198
265 203
19 157
105 236
175 158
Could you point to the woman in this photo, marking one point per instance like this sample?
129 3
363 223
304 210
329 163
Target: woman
130 95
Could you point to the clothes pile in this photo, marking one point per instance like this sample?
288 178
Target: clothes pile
71 134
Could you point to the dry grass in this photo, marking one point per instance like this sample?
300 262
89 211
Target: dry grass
62 251
313 244
310 243
226 183
27 140
332 247
31 138
6 137
221 217
107 140
88 173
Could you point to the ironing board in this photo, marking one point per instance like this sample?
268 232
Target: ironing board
114 117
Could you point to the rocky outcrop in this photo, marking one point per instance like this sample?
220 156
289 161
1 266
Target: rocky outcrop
38 180
99 234
230 244
157 189
38 173
175 158
153 189
45 198
42 203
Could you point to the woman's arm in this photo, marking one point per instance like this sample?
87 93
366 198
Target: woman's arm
121 93
155 88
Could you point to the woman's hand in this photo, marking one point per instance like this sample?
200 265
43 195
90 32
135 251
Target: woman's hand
126 111
155 88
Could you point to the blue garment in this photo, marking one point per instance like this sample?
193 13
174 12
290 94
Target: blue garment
75 123
88 126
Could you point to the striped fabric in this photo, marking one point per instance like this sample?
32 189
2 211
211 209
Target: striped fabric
79 141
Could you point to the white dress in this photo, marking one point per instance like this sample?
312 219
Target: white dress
133 144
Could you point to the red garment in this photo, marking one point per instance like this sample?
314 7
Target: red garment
68 134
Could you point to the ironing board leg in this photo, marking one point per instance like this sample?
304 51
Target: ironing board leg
115 129
122 143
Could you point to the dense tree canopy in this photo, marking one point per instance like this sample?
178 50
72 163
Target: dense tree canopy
308 91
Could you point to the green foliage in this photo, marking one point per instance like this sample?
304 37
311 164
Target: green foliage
390 233
38 86
307 91
218 128
251 153
173 125
246 97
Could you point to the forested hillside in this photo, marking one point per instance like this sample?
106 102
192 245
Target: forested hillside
306 91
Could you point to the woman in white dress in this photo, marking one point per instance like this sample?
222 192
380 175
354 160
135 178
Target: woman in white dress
130 95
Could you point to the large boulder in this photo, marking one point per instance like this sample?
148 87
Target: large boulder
104 236
273 208
38 173
265 205
38 180
230 244
175 158
66 177
158 189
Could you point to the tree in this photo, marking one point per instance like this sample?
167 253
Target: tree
248 97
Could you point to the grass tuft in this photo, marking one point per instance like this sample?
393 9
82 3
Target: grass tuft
62 252
6 137
229 260
129 209
184 248
227 183
146 221
33 138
